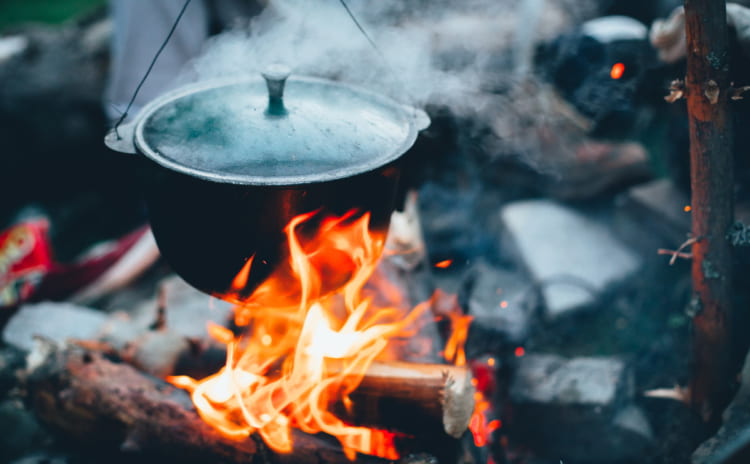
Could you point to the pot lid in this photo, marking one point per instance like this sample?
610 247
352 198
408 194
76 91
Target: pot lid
275 131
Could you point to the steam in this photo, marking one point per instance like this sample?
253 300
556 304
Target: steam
430 51
471 57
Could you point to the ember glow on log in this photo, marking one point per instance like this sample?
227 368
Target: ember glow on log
304 351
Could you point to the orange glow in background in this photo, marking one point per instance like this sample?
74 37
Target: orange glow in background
618 69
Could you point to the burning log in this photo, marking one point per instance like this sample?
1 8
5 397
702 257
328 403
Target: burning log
404 394
90 398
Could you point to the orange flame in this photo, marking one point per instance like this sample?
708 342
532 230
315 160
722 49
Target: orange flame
455 346
305 348
300 355
480 425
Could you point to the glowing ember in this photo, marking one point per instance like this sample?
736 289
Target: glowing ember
305 349
618 69
481 424
481 427
444 264
687 208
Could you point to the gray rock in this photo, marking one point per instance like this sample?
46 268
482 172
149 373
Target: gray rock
632 419
188 310
11 46
557 403
734 434
56 321
501 302
187 313
158 352
595 383
573 258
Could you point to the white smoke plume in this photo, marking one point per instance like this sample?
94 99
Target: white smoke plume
431 51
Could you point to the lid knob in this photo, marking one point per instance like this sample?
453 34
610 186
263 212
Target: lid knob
275 76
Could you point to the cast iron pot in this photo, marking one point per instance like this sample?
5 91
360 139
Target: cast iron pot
227 164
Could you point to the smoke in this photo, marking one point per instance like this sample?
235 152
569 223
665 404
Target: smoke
473 58
428 51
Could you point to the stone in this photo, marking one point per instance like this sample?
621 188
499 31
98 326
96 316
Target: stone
187 312
733 437
55 321
557 402
574 259
502 303
597 383
11 46
633 419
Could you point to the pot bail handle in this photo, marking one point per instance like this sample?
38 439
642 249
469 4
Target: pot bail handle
276 76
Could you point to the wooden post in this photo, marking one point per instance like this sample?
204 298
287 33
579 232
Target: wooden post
712 183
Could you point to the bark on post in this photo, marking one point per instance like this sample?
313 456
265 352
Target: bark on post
711 141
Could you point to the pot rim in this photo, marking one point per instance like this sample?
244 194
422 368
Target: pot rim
416 118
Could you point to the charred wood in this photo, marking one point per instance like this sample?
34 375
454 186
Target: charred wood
91 399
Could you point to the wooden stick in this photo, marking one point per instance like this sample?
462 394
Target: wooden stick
412 397
97 401
712 183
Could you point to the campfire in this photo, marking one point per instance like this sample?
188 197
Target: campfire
392 232
291 365
359 364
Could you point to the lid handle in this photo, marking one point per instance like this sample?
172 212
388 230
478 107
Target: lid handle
275 76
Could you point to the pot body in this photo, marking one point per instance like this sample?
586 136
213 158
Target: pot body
208 230
227 164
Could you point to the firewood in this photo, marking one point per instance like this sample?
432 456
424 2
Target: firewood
89 398
402 395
